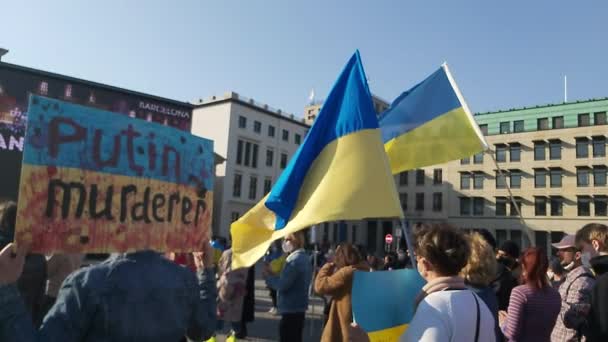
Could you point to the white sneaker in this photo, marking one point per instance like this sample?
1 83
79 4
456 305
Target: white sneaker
273 311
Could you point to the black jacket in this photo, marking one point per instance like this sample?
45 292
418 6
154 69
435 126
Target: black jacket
503 285
598 316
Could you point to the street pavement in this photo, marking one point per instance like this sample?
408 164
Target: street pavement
266 326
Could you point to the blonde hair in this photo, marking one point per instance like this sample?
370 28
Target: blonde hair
593 231
481 266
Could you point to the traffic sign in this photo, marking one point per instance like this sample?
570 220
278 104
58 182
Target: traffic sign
388 239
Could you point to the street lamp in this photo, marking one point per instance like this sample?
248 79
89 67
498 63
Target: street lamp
3 52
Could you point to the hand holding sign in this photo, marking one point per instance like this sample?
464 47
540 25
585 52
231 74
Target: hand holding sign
11 263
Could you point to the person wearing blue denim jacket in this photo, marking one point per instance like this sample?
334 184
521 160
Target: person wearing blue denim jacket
132 297
292 287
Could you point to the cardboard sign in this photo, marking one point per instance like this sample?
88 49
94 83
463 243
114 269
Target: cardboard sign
94 181
383 302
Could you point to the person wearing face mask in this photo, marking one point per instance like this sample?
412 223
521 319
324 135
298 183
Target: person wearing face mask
575 293
592 240
566 251
446 310
292 286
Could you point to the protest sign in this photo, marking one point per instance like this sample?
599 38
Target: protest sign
94 181
383 302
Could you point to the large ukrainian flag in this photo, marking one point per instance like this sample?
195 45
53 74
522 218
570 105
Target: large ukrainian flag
430 124
340 172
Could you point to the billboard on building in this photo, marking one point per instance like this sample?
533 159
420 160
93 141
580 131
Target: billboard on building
17 83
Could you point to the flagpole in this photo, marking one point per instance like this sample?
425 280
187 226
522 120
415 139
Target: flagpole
511 197
408 242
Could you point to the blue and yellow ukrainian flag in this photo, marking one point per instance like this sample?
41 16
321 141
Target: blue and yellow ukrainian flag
340 172
430 124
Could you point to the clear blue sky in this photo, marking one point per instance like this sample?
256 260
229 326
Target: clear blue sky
503 54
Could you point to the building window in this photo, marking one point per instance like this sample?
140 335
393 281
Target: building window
542 124
437 201
599 118
420 201
236 186
558 122
239 152
515 179
483 129
515 152
271 131
557 204
583 205
242 122
582 147
465 161
403 178
515 205
478 158
285 135
269 157
539 150
501 180
419 177
437 176
583 120
582 176
540 178
283 160
555 150
505 127
465 206
257 127
247 159
555 176
501 153
540 206
234 216
267 185
254 157
298 139
478 180
501 206
518 126
600 204
478 203
403 200
599 147
253 187
465 180
599 175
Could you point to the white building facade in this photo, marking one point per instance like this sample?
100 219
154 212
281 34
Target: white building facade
257 141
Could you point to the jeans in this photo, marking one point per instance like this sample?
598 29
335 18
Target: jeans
291 327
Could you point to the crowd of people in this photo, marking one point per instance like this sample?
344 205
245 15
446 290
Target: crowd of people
475 290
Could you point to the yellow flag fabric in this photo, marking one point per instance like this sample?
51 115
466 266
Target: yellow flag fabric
340 172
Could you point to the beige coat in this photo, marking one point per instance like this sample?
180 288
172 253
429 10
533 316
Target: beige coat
231 289
339 286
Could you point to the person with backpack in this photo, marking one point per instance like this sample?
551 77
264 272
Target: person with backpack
575 293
